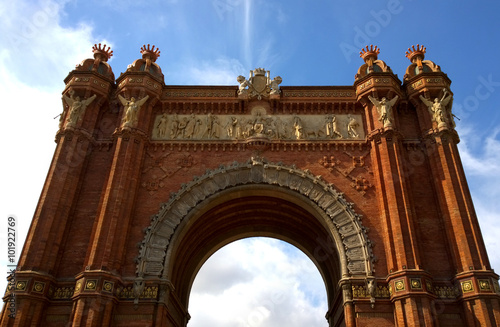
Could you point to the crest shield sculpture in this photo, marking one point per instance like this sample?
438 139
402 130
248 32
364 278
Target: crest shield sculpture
259 84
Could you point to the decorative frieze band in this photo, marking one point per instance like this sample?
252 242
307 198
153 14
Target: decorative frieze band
276 127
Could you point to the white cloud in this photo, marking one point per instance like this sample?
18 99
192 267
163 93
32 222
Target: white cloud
480 156
271 294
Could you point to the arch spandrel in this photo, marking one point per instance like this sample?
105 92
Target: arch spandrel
351 241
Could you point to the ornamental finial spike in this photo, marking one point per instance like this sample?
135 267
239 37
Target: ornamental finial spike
416 53
101 53
150 52
369 52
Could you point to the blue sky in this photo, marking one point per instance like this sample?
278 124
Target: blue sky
212 42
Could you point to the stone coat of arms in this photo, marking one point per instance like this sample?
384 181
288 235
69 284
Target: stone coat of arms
259 84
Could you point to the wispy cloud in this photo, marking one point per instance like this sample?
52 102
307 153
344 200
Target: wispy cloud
247 37
220 71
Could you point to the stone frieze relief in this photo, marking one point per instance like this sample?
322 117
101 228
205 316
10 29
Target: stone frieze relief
240 127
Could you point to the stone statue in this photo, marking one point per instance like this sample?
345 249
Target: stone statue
438 109
132 108
243 84
162 126
384 108
76 107
275 89
352 126
371 288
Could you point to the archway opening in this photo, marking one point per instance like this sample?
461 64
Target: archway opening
254 199
258 281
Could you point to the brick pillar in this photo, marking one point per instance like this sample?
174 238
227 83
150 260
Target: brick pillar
84 95
111 227
397 213
473 276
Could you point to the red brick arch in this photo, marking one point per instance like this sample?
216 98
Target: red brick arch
255 198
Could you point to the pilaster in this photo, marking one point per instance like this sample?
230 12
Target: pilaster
138 90
428 89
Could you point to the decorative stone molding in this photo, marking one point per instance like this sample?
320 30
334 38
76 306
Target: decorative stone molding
199 93
355 245
316 93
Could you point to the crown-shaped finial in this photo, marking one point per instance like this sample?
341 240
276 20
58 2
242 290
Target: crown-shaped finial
150 52
259 71
415 54
101 52
370 52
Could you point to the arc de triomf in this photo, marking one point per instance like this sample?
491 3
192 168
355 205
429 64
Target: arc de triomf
149 179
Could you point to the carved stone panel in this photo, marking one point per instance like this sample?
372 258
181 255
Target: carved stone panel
240 127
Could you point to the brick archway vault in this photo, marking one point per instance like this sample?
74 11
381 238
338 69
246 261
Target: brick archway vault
255 198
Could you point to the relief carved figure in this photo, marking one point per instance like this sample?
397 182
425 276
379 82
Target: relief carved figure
162 126
216 128
331 127
279 128
298 128
384 109
132 108
76 107
234 128
181 130
258 125
352 126
191 127
174 127
438 109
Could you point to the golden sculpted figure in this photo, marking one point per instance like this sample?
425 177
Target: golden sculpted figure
76 107
132 108
384 109
438 109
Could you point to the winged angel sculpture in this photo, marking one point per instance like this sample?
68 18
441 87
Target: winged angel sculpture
132 108
384 109
76 107
438 109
